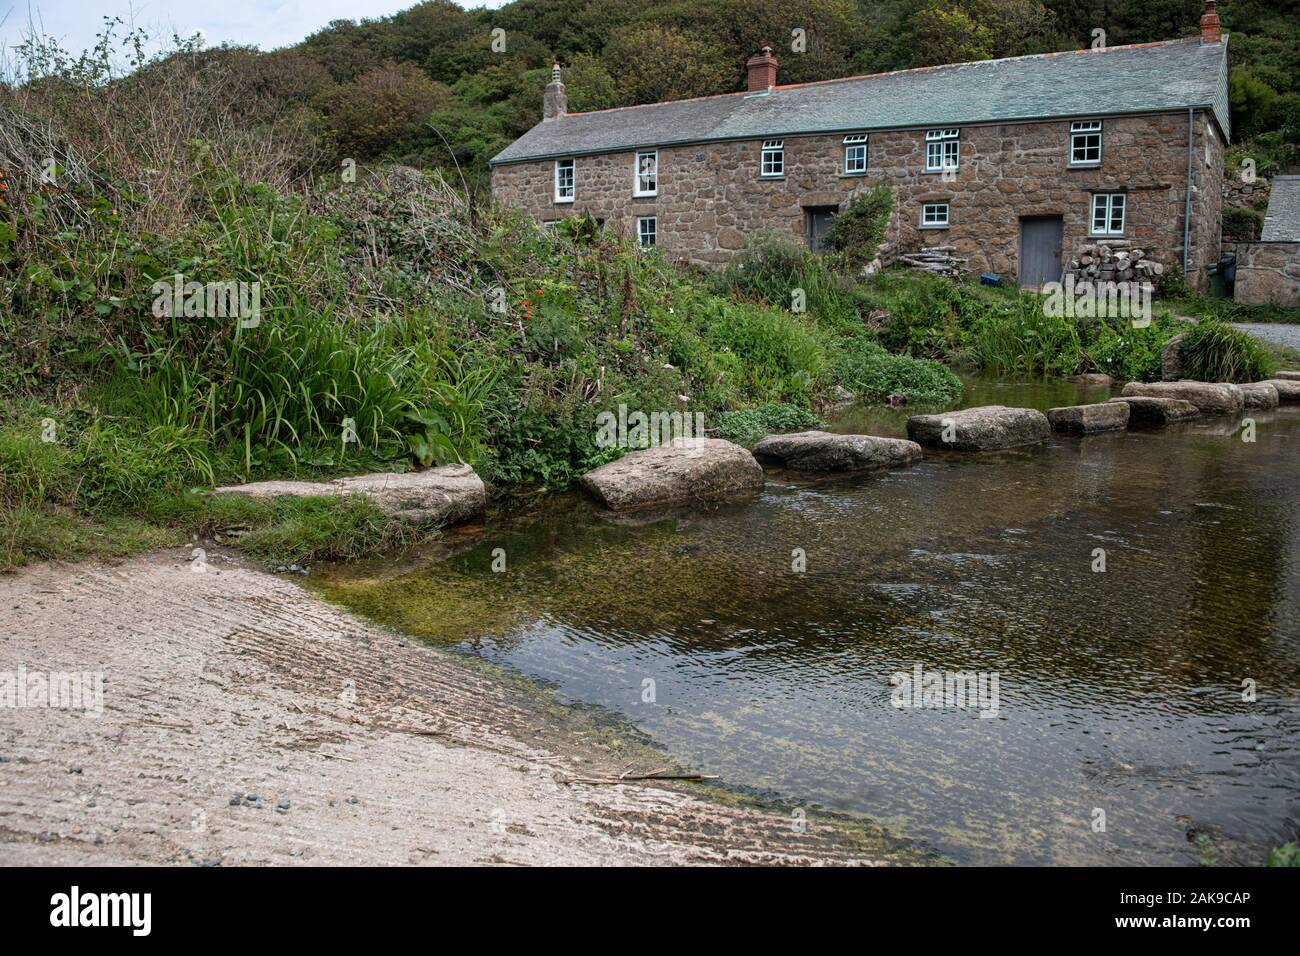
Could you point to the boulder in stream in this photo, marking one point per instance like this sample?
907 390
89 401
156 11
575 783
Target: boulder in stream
435 496
823 451
1089 419
690 469
1261 394
986 428
1211 398
1288 390
1150 412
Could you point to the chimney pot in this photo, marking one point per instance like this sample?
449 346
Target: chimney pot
1210 24
761 68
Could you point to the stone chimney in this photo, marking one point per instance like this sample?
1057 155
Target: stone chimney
762 71
555 103
1210 24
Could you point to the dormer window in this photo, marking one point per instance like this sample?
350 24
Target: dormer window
772 161
855 154
1085 143
564 180
647 174
942 150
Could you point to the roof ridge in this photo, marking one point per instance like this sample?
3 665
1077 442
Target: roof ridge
913 69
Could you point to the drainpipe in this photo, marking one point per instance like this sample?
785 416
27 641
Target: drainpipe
1187 212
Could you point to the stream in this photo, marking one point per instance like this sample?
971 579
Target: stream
1122 733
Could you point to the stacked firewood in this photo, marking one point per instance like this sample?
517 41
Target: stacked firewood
936 259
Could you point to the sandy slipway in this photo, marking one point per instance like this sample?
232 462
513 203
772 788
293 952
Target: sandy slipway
245 721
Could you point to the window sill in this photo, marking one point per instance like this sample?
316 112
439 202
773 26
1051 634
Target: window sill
940 172
645 195
771 175
1096 165
563 202
1106 235
934 227
853 175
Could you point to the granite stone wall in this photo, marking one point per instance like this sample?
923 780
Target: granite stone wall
711 196
1268 273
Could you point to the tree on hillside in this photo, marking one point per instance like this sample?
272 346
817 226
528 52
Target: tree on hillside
653 63
371 112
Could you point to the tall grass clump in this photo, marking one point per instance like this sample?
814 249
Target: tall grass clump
1213 351
776 271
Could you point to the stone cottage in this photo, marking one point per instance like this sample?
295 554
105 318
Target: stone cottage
1024 166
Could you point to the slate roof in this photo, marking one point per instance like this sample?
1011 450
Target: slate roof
1144 78
1282 221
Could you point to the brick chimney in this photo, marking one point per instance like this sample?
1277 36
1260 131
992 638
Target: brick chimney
762 71
555 103
1210 24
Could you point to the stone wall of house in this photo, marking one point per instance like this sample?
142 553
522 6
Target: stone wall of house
1268 273
1207 199
711 197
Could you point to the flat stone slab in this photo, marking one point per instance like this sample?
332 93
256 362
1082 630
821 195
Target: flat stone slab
695 469
1089 419
1260 394
986 428
1288 375
435 496
1150 412
1212 398
823 451
1288 390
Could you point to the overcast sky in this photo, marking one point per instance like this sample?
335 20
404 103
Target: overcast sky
264 23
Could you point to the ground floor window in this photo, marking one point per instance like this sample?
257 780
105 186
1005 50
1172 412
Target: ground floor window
646 231
934 215
1108 214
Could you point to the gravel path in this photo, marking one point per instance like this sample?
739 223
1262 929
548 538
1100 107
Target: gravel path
244 721
1276 332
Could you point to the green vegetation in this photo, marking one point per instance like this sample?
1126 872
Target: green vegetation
748 426
858 231
1288 854
1215 352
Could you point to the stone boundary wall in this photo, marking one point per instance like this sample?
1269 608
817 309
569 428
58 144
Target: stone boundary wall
1243 195
1268 273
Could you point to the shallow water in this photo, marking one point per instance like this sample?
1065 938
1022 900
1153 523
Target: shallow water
1118 691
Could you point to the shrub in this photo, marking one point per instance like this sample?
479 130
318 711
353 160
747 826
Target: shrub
783 274
874 374
858 232
748 426
1214 351
380 106
1241 225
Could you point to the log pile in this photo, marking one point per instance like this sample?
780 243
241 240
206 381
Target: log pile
1113 260
935 259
